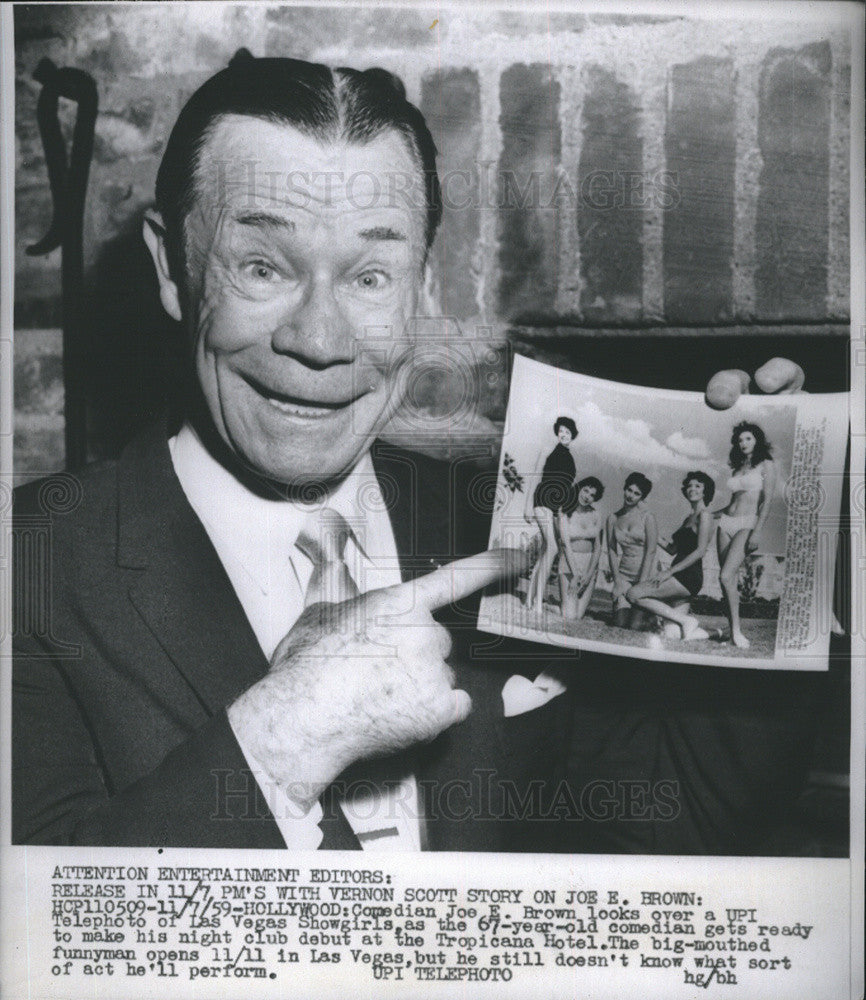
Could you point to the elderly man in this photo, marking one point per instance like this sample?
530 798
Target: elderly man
244 646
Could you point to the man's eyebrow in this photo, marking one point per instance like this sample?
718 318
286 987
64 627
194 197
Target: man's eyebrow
382 233
265 220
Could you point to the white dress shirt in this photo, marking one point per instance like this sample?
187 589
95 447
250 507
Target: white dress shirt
254 538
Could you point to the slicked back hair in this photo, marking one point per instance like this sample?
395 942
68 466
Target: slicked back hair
329 105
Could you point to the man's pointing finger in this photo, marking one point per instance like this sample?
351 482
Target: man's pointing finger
463 577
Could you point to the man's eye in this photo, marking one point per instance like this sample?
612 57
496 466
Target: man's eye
261 270
372 281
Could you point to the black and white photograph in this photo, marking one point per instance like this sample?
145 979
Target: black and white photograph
659 524
431 492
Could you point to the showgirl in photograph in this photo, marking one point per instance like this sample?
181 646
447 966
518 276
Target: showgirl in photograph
632 537
554 476
581 528
752 484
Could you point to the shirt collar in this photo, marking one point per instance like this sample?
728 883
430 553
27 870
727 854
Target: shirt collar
251 525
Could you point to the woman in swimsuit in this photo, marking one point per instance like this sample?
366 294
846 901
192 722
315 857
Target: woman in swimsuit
752 484
632 536
555 477
580 535
669 594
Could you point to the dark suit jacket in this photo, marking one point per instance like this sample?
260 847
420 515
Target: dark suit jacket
131 643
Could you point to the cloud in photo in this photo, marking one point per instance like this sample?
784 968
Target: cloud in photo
691 447
630 441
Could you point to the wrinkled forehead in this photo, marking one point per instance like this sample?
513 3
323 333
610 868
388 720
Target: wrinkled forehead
251 165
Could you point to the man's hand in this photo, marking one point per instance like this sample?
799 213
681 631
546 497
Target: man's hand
361 679
778 376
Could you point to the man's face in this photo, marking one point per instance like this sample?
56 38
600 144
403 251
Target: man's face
304 267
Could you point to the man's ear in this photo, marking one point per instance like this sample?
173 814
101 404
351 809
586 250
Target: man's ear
154 236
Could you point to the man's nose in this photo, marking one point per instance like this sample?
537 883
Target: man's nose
316 331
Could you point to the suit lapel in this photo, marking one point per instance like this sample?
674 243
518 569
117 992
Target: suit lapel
397 475
182 592
417 491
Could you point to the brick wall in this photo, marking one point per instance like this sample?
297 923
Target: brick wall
601 172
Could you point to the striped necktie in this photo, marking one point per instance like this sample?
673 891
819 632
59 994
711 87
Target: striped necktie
323 542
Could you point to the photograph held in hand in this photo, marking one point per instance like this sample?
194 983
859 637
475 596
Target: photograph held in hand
721 546
272 608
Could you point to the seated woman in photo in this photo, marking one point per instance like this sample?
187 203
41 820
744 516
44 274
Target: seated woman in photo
668 594
632 536
752 484
555 477
580 538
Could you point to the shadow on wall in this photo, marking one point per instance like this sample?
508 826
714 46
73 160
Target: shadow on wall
135 351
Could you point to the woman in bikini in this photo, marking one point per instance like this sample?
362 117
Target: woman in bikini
752 484
580 534
555 477
632 536
668 594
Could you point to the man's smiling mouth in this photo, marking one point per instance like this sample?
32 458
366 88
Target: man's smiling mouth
297 405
